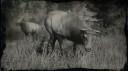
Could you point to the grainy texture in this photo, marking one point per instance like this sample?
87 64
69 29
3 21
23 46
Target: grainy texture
108 48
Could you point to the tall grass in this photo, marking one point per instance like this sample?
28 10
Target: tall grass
107 52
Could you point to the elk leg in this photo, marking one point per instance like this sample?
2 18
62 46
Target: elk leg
39 48
34 36
74 48
52 43
60 40
26 34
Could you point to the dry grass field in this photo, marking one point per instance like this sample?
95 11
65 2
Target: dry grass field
107 53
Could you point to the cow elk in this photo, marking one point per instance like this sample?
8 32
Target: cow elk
63 25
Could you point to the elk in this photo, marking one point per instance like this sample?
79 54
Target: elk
29 28
64 25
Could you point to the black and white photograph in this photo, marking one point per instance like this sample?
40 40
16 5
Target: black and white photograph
81 35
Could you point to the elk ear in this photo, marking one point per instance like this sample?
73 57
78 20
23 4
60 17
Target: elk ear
94 32
89 31
84 31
